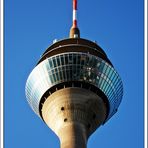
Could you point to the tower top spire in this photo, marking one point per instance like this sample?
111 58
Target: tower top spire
74 31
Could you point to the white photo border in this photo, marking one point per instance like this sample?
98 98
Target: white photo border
1 70
1 74
145 74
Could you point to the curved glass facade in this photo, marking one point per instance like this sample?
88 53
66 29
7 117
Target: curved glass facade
74 67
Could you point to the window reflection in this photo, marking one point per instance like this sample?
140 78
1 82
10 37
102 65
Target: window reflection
58 61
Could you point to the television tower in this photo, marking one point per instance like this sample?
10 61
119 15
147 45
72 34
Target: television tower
74 88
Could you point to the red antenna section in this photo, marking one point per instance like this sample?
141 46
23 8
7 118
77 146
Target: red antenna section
75 4
75 13
74 31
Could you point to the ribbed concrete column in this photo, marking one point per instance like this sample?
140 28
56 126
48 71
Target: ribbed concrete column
74 114
73 135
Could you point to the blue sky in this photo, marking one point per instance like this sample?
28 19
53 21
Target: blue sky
31 26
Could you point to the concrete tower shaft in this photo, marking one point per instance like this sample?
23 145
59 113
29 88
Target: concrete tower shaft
73 114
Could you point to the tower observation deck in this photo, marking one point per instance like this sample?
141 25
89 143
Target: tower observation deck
74 88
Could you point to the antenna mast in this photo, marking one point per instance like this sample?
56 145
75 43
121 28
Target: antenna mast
74 31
